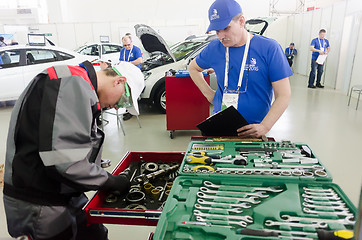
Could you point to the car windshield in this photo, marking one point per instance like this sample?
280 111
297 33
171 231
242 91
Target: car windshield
182 50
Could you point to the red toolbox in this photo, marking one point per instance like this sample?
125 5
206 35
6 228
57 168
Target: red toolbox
186 105
97 209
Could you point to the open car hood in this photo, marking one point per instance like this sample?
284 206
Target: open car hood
258 25
152 41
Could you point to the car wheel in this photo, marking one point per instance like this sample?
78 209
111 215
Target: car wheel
160 99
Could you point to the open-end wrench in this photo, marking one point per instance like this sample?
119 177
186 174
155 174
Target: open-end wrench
256 194
250 199
319 207
238 223
232 210
321 194
230 205
294 224
335 213
348 220
321 198
326 203
318 189
240 188
229 217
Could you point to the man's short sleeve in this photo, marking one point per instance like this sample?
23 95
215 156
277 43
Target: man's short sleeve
121 54
203 58
327 43
137 53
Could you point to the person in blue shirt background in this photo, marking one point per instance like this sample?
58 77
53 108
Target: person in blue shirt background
130 53
266 70
290 53
318 46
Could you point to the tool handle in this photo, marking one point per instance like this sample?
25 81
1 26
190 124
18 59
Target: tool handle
334 235
254 232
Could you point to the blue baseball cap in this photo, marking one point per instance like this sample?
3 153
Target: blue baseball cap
292 43
221 12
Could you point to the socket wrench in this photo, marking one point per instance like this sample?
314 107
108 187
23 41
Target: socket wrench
230 205
270 189
270 223
260 194
250 199
229 217
276 165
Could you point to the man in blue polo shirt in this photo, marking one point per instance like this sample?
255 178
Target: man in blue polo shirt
130 53
265 69
290 53
319 46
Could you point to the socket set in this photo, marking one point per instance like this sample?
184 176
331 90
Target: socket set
255 159
152 175
219 207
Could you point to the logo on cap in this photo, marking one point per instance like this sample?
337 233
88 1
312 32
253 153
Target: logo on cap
214 15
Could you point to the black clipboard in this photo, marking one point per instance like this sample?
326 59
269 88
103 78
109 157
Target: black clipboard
223 123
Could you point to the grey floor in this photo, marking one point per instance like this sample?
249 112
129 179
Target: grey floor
318 117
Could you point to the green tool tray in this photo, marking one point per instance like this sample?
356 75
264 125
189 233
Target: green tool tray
268 154
178 219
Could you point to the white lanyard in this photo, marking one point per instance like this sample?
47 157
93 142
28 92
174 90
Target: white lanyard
290 51
124 54
226 79
320 44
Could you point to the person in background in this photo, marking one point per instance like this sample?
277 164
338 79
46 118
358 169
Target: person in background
54 150
249 68
2 43
290 53
319 46
130 53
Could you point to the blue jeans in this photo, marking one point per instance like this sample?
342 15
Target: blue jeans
315 66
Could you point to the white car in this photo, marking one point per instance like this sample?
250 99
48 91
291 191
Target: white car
162 59
20 64
177 57
107 51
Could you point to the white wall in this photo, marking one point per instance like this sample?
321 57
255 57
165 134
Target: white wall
342 22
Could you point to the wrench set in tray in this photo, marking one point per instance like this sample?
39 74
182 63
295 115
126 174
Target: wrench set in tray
253 190
277 159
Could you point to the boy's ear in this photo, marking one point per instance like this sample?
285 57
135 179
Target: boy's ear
120 79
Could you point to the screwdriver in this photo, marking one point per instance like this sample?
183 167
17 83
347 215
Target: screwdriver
211 161
334 235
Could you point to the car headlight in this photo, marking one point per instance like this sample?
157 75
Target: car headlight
146 75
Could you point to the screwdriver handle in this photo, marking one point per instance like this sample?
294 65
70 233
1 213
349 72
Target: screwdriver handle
254 232
334 235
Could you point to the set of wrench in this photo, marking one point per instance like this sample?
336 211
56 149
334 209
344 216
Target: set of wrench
324 202
224 205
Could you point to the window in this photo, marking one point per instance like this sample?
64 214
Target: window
90 50
10 58
183 49
111 49
36 56
65 56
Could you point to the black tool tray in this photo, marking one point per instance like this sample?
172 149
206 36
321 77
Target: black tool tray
179 220
265 160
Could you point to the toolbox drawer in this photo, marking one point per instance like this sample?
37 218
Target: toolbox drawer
99 211
284 210
273 160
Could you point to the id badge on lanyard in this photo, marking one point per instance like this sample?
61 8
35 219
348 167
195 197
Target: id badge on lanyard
231 98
